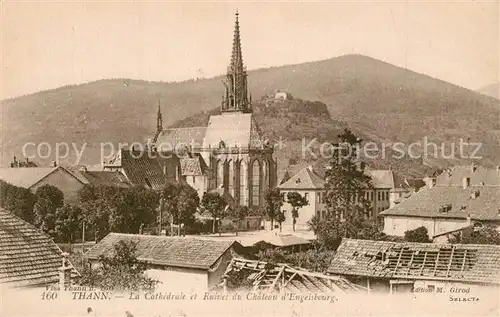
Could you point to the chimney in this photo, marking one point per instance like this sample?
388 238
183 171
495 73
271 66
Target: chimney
54 164
465 182
498 168
27 160
473 167
64 273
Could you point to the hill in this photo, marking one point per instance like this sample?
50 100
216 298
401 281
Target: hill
385 102
492 90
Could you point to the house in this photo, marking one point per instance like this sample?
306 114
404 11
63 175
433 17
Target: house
35 177
281 96
177 262
310 183
281 278
456 199
408 266
29 258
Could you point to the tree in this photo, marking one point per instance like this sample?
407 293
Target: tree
68 219
273 204
331 230
296 201
20 201
180 202
238 214
487 234
346 181
120 272
49 198
419 234
213 204
280 218
345 185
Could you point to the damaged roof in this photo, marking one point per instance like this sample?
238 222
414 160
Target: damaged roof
269 277
418 261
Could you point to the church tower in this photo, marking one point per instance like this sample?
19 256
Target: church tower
236 97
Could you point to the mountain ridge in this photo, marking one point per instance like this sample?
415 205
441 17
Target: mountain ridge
386 102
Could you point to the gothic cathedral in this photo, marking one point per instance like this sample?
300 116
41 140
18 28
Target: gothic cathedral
229 155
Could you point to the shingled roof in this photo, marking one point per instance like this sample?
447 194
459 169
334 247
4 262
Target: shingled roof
146 168
106 178
418 261
307 178
463 202
170 139
164 250
27 256
269 277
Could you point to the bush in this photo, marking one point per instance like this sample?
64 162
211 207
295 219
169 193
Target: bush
419 234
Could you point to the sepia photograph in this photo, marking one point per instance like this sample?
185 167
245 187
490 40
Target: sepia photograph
249 158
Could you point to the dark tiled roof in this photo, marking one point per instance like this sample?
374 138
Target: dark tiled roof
427 202
269 277
418 261
107 178
171 138
163 250
27 256
146 168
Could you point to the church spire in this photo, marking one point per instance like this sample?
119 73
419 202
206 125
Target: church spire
159 119
236 86
159 123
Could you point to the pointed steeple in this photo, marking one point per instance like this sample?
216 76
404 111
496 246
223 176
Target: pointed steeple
236 86
236 55
159 123
159 119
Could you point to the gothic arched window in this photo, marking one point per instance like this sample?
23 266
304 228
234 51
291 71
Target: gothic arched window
230 185
219 174
243 183
256 183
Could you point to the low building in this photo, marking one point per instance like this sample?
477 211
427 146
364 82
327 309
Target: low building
282 278
35 177
179 263
310 183
406 266
457 198
29 258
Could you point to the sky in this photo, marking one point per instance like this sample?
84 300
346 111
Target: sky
45 45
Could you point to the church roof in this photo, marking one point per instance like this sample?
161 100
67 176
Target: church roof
171 138
235 129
